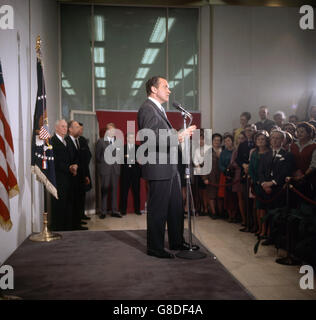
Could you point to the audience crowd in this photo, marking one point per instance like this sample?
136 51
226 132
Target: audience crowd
264 177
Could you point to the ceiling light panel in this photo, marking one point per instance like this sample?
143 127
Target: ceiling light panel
159 33
98 55
100 72
142 73
150 55
101 83
137 84
183 73
99 28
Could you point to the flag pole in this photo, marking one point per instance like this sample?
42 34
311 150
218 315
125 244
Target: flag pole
46 235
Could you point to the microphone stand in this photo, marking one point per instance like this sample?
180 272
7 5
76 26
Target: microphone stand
192 253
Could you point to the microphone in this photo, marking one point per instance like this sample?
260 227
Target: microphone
178 106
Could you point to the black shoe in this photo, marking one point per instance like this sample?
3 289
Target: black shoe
244 229
116 214
85 218
160 254
123 213
267 242
138 213
83 222
102 216
185 246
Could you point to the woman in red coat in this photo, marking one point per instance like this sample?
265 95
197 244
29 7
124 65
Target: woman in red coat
304 152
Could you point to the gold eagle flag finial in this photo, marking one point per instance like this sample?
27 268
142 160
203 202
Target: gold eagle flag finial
38 46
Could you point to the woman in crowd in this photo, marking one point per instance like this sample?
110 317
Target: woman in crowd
304 152
279 118
227 170
287 141
244 119
237 186
198 161
261 147
291 128
243 161
212 180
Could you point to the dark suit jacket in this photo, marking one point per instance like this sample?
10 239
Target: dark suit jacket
266 125
151 117
85 158
243 153
103 167
62 162
277 168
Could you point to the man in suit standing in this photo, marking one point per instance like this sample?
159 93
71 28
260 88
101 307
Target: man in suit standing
274 166
80 179
109 173
85 156
165 199
61 218
264 123
130 175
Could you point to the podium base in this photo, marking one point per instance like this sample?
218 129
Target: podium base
190 254
45 235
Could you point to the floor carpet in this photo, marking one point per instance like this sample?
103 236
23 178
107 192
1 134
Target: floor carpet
112 265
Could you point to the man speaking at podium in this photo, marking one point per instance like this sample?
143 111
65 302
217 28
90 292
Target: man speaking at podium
165 199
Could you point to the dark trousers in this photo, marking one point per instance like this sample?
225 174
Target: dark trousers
78 195
109 183
164 206
129 180
62 211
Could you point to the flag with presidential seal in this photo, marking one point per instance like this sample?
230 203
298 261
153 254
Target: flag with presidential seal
42 151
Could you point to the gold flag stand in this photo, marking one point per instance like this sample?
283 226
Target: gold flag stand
45 235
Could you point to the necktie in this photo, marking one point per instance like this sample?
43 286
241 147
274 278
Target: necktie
77 144
164 112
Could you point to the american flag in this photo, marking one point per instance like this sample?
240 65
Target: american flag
8 181
42 151
44 133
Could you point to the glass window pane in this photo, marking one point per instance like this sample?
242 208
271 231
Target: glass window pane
183 56
130 47
76 58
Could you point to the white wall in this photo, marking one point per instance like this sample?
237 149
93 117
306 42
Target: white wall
31 18
260 57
